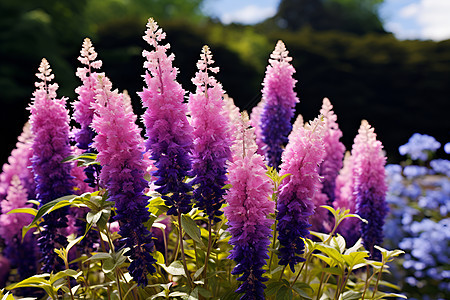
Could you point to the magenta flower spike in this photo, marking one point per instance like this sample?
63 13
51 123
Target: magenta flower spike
212 141
247 212
255 122
20 253
329 168
83 112
19 164
167 128
50 128
345 199
120 153
370 187
279 102
233 113
301 159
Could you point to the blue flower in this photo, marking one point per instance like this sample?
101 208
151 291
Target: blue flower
417 145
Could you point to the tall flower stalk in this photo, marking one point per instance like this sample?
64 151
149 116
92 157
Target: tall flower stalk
167 128
120 152
370 187
279 101
301 159
50 128
83 111
247 212
211 148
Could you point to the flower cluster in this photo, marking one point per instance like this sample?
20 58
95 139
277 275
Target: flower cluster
370 187
419 224
50 128
418 145
301 159
167 128
120 149
211 148
279 101
247 211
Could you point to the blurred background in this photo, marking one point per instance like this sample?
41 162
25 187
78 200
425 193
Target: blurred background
384 61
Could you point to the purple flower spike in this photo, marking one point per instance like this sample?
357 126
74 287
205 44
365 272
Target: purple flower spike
301 159
167 128
120 152
50 127
247 211
370 187
211 138
83 113
279 101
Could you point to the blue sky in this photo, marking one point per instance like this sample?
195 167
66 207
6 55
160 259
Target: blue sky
407 19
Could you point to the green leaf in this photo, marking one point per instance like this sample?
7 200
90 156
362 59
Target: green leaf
176 268
34 281
355 258
159 257
204 292
331 252
84 159
389 295
99 256
191 229
160 294
93 217
284 293
351 295
299 288
7 296
62 274
338 243
273 287
332 270
108 265
24 210
199 272
48 207
355 247
227 186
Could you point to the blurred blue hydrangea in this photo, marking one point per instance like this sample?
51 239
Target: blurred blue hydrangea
419 224
447 148
417 146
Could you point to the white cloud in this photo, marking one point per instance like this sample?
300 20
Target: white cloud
409 11
431 16
250 14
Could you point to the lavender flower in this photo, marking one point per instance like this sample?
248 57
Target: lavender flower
247 212
211 138
279 101
303 154
50 127
120 152
168 130
370 187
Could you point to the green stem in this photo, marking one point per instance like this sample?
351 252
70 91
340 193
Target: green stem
378 280
273 242
282 272
191 285
208 253
118 285
300 271
175 252
367 282
320 285
195 253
